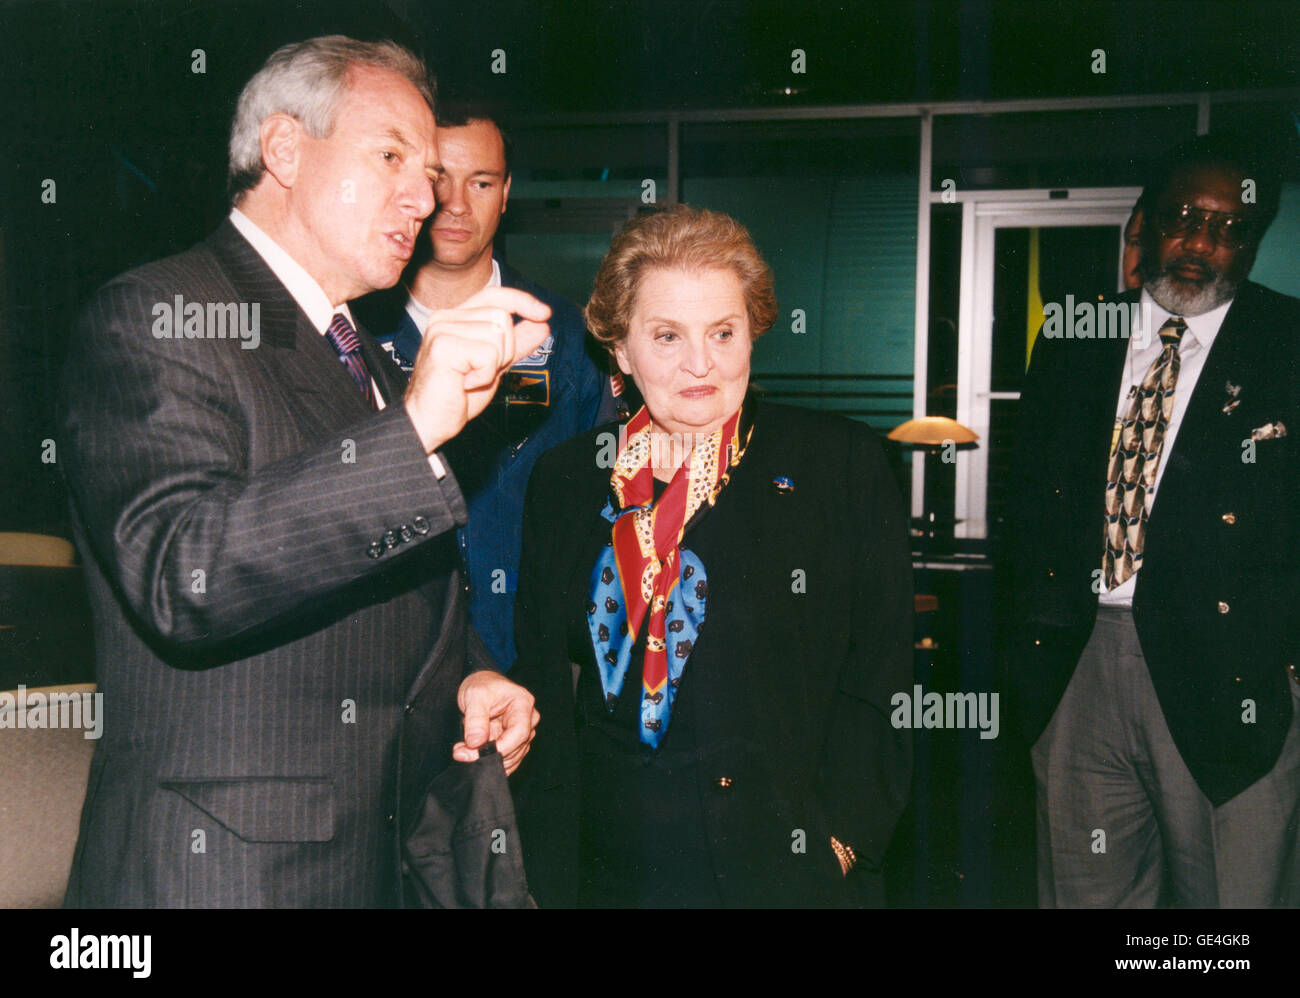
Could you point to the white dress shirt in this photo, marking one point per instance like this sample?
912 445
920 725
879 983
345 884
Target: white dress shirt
1144 349
419 312
307 293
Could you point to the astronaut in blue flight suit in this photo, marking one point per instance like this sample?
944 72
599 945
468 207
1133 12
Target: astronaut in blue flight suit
555 393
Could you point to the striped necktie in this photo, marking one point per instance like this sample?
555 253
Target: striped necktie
344 339
1135 458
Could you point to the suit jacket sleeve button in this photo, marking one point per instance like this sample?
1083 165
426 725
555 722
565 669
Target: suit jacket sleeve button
1223 607
390 539
420 525
1229 518
405 532
374 550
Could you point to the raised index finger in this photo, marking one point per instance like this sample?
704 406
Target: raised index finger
517 302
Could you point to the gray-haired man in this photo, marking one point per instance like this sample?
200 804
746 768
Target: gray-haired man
268 533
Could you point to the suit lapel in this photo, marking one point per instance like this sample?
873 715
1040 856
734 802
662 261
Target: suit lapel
1234 356
588 493
1100 381
299 360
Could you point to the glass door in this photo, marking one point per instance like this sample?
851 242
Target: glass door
1017 257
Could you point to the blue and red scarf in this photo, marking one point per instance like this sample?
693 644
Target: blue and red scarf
644 577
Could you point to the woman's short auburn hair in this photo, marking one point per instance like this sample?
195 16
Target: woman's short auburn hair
678 237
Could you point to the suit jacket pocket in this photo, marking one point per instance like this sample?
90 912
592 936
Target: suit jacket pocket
265 808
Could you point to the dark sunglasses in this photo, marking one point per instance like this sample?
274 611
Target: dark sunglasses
1226 229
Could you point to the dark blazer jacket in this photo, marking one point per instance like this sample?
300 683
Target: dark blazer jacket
791 688
280 628
1216 599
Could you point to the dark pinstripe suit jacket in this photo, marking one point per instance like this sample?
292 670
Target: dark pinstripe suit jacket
275 683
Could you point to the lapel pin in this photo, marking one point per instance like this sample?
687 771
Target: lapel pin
783 484
1269 431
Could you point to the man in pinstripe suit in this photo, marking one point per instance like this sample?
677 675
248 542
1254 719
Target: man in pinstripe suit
268 533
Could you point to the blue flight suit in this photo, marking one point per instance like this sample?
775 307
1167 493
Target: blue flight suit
553 394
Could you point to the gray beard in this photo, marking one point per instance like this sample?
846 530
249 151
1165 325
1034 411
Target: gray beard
1179 301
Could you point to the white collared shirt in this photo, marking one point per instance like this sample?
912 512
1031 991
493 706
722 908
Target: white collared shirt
1144 349
300 284
419 312
309 295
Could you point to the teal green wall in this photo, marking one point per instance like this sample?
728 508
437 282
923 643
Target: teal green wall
844 251
565 262
1278 264
841 249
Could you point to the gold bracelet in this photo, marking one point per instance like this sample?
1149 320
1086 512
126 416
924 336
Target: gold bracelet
845 855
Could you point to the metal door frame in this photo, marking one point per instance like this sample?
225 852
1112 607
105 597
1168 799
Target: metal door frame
983 213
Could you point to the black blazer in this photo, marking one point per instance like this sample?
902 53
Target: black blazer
266 717
792 689
1216 599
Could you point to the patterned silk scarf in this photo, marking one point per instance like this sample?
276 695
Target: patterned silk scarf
644 573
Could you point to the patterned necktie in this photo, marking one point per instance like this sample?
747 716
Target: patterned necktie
344 339
1135 458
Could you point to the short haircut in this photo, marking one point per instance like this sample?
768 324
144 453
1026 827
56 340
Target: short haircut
306 80
1225 151
678 237
457 112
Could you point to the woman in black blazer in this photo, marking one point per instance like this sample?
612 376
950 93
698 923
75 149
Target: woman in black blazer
714 610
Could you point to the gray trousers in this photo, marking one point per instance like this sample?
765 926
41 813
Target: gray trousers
1121 822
